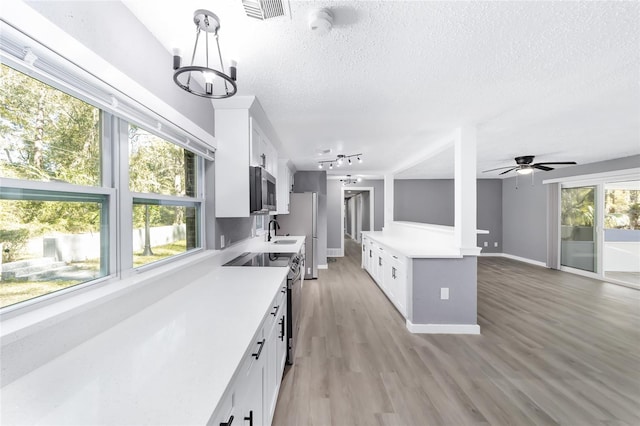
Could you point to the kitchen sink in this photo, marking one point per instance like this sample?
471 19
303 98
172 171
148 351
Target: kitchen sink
285 242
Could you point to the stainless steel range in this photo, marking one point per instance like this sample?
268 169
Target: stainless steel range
295 263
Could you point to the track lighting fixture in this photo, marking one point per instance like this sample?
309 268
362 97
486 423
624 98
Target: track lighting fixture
349 180
340 159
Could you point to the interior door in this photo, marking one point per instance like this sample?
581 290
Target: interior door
578 220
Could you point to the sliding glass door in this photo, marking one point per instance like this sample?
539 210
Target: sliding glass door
578 237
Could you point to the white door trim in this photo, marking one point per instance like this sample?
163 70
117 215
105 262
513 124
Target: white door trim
342 209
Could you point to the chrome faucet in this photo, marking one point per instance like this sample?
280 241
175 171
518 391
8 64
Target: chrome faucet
274 228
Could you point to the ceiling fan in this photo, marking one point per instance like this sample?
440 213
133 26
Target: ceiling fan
524 167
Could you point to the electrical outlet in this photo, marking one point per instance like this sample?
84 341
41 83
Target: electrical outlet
221 241
444 293
495 244
486 243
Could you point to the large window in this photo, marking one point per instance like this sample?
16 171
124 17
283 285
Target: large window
60 185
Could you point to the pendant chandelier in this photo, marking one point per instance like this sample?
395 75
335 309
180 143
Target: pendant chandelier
205 81
340 160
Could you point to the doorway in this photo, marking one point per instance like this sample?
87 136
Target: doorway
357 213
600 230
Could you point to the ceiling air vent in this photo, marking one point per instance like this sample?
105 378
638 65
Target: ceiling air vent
265 9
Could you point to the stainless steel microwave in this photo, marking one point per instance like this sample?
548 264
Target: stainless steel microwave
263 190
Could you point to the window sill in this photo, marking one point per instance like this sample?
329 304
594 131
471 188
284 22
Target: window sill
28 318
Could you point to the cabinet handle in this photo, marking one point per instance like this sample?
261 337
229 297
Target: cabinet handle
281 329
275 310
250 418
393 272
228 423
257 354
370 253
379 261
395 257
284 290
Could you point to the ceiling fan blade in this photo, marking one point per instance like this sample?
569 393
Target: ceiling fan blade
499 168
507 171
541 167
557 162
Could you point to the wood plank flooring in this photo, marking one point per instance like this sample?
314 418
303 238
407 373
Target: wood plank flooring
555 348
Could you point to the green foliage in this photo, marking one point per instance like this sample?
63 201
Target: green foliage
577 206
13 242
46 134
622 208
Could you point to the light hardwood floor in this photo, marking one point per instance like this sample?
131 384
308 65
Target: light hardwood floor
555 348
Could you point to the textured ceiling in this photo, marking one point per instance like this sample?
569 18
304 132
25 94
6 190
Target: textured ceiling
558 80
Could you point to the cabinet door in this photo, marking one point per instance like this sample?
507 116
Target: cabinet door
281 342
275 338
250 390
257 147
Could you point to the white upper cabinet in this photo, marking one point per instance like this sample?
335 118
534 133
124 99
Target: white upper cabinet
285 186
243 133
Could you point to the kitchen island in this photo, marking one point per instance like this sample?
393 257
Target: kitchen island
185 359
430 280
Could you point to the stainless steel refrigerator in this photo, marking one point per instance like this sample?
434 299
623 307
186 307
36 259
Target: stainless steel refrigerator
303 220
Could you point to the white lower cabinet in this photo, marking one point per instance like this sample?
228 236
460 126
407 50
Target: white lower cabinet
389 271
250 399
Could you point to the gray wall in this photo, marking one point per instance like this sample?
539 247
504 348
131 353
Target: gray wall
316 181
366 211
424 200
432 201
459 275
334 205
110 30
524 208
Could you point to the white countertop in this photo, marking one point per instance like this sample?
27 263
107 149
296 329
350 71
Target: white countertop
413 248
273 247
168 364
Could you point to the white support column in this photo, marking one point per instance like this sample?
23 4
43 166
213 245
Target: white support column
388 200
465 190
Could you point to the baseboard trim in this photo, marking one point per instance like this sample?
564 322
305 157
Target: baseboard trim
518 258
335 252
323 266
443 328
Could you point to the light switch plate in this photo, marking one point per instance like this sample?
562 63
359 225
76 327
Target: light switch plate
444 293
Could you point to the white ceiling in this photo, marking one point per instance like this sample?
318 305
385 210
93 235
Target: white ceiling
558 80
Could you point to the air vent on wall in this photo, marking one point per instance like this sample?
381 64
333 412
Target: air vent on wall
265 9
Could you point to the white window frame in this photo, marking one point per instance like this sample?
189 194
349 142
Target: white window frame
117 111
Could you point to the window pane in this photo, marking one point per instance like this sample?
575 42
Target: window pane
49 245
159 167
46 134
162 231
578 238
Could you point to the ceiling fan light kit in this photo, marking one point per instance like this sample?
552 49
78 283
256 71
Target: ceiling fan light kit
524 165
203 80
339 160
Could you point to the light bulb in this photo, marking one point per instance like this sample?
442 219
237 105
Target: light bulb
209 77
319 165
359 160
339 161
331 165
525 171
349 161
359 179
